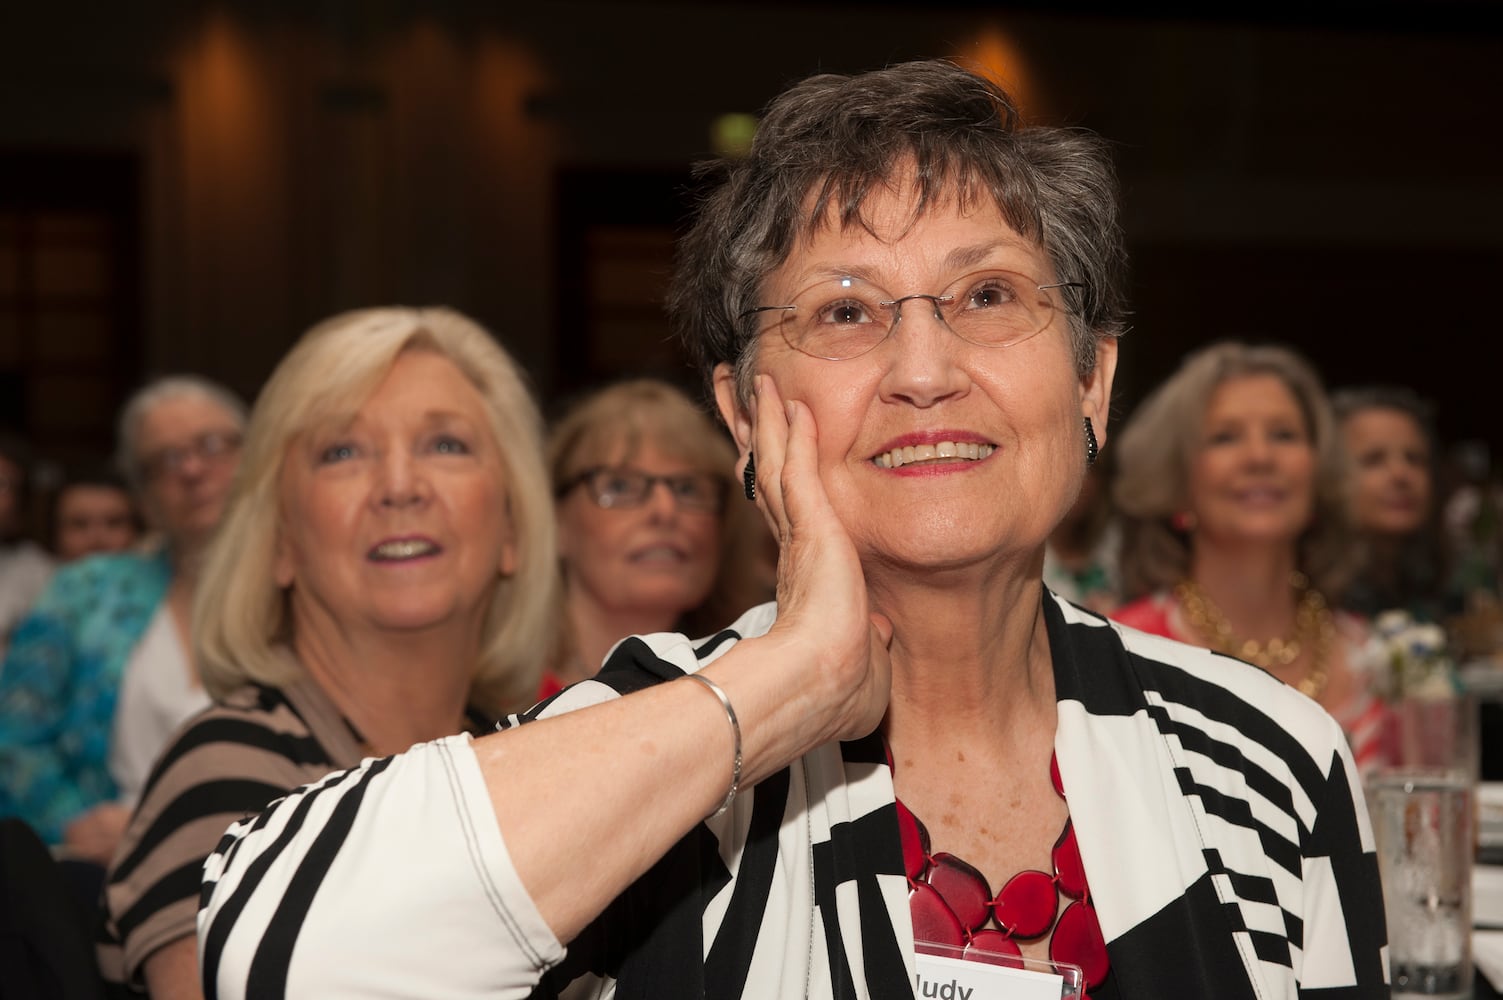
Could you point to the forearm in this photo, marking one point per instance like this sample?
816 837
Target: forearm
620 783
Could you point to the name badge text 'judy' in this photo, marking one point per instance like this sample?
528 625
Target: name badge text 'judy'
942 978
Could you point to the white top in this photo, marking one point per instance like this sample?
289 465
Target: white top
158 694
24 572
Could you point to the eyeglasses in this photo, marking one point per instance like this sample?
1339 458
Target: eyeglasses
621 488
209 448
842 318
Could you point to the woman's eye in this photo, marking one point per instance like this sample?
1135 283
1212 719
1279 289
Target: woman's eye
991 294
848 313
450 445
336 453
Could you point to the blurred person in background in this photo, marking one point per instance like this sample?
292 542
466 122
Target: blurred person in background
1080 561
1233 497
384 577
25 567
1389 434
91 512
647 542
100 673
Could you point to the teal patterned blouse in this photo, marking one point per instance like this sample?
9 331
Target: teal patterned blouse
59 682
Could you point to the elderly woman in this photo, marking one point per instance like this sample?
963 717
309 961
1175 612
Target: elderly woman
100 674
1390 444
907 303
384 577
646 543
1232 485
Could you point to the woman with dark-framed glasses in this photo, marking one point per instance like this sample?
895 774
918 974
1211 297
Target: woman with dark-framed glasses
917 753
646 542
101 672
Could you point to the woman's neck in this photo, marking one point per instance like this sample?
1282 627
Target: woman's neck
970 656
595 628
396 688
1251 585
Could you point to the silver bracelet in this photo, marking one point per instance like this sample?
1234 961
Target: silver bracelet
730 714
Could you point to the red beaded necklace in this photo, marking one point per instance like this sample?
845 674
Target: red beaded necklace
952 903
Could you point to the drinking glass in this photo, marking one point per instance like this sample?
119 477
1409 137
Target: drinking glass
1425 832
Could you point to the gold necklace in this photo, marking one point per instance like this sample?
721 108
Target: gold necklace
1314 629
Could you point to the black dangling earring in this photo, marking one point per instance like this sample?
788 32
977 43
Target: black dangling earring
749 477
1091 449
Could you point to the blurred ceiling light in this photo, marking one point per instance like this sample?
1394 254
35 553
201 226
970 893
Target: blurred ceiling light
731 134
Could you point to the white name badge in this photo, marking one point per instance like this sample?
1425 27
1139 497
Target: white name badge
941 977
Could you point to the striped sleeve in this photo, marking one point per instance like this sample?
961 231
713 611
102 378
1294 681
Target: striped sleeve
386 866
225 765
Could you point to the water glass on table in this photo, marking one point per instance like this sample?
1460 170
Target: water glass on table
1423 809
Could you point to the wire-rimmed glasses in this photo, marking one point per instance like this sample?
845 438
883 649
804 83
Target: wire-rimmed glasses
619 487
209 447
843 317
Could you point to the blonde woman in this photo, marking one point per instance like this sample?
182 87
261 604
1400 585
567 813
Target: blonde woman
1231 488
647 541
384 577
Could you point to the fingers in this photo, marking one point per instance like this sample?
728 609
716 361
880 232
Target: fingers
770 445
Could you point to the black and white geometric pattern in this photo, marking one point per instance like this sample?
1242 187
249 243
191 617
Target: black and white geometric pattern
1217 812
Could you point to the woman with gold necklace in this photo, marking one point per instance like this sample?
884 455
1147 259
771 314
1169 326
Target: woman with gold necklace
1234 529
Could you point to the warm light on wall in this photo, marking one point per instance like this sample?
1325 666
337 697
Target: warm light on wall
995 55
226 113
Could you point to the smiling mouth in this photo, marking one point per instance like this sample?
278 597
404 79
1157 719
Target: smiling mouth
943 451
405 548
657 554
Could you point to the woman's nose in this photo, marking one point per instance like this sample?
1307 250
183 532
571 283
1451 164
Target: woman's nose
922 356
401 480
660 502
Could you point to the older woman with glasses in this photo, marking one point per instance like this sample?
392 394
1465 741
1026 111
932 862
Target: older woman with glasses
907 303
646 543
384 576
100 673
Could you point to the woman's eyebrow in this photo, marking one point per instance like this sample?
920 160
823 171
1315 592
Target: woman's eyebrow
964 257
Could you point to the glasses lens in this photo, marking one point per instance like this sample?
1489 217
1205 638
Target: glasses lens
698 491
618 487
837 319
996 308
217 443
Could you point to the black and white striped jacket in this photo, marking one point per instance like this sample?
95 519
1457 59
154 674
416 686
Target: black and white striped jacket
1217 813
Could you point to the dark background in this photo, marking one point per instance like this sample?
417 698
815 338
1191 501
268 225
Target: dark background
189 186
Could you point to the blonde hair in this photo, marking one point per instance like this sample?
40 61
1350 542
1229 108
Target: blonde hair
240 614
1155 451
618 421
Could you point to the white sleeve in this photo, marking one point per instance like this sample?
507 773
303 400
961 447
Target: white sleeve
387 880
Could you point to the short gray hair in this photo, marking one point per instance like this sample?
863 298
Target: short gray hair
141 402
839 138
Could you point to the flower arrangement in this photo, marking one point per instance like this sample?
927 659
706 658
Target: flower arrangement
1419 664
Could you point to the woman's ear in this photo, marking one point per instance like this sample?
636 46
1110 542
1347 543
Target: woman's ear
736 416
1096 387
